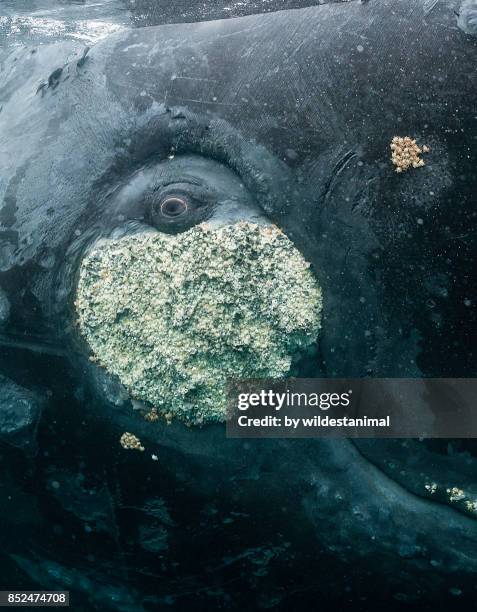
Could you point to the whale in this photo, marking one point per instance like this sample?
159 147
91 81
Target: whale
287 118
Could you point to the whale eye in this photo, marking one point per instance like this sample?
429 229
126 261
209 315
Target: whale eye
173 206
179 206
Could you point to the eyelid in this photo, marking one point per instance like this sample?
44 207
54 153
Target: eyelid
187 180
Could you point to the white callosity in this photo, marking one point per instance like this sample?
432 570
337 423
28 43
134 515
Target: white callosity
174 316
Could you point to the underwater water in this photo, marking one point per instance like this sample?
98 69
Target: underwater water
195 521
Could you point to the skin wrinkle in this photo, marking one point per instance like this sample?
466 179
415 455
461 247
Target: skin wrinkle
398 497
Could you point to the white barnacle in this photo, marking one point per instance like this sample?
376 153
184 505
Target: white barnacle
406 152
455 494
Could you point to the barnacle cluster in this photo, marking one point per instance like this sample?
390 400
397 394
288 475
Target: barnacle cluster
455 495
431 487
406 152
152 415
130 442
174 316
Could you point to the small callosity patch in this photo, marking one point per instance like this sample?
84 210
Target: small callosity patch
130 442
455 494
152 415
406 153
